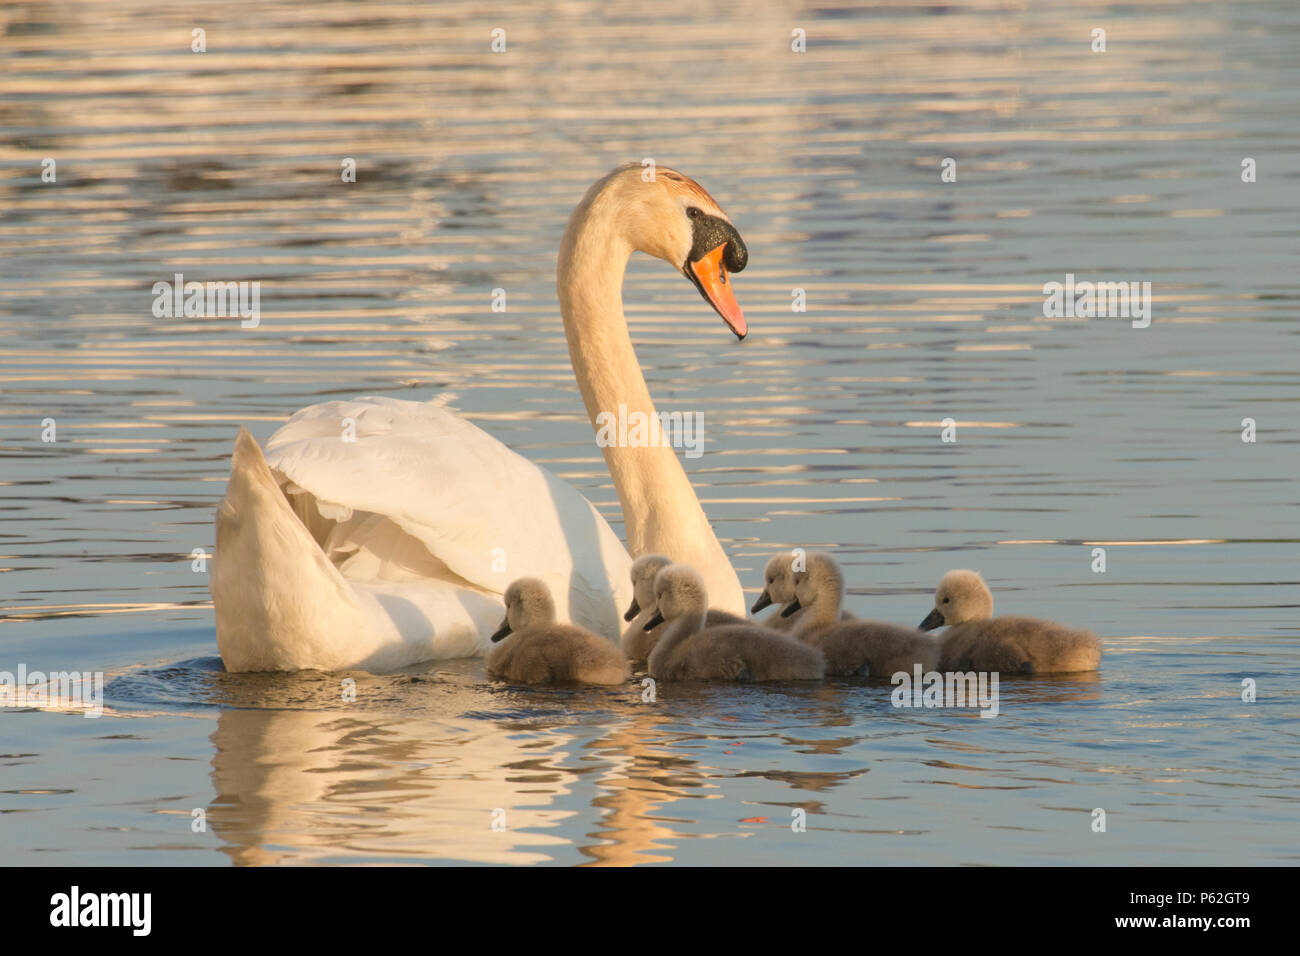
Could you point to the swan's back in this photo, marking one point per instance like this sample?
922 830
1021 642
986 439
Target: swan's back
422 494
1014 644
740 652
875 649
556 654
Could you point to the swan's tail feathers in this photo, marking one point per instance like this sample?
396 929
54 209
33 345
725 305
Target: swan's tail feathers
280 604
248 466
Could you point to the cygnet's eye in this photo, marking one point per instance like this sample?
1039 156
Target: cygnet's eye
945 600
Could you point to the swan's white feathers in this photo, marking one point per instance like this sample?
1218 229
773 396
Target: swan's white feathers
375 535
461 496
402 526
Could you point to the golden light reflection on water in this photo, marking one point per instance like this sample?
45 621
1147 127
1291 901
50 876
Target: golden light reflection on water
924 303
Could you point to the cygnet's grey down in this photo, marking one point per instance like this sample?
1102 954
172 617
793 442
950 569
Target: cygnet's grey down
778 589
637 642
1011 644
687 650
856 647
533 649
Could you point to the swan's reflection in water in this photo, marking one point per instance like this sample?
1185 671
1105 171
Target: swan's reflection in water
421 767
414 769
297 786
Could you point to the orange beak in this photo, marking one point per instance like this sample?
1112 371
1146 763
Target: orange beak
710 276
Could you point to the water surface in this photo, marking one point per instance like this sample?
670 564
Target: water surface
924 303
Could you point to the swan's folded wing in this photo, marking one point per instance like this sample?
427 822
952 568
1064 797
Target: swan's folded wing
400 489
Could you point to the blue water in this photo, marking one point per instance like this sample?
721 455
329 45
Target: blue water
924 302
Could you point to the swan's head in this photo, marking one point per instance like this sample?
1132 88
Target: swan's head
820 583
961 596
778 582
679 591
528 604
644 570
666 214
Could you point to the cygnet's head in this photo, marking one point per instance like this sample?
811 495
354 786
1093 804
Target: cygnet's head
778 582
961 596
819 583
528 604
679 590
644 570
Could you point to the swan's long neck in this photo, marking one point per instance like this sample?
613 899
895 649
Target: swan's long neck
660 511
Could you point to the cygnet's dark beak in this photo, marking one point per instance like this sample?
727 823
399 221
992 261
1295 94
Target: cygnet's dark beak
933 619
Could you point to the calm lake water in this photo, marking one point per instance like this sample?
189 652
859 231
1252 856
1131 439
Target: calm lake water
924 302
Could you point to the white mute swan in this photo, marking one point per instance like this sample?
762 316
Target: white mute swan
376 533
978 641
687 650
536 650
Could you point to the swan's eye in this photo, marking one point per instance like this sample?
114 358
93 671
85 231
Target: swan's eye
693 213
